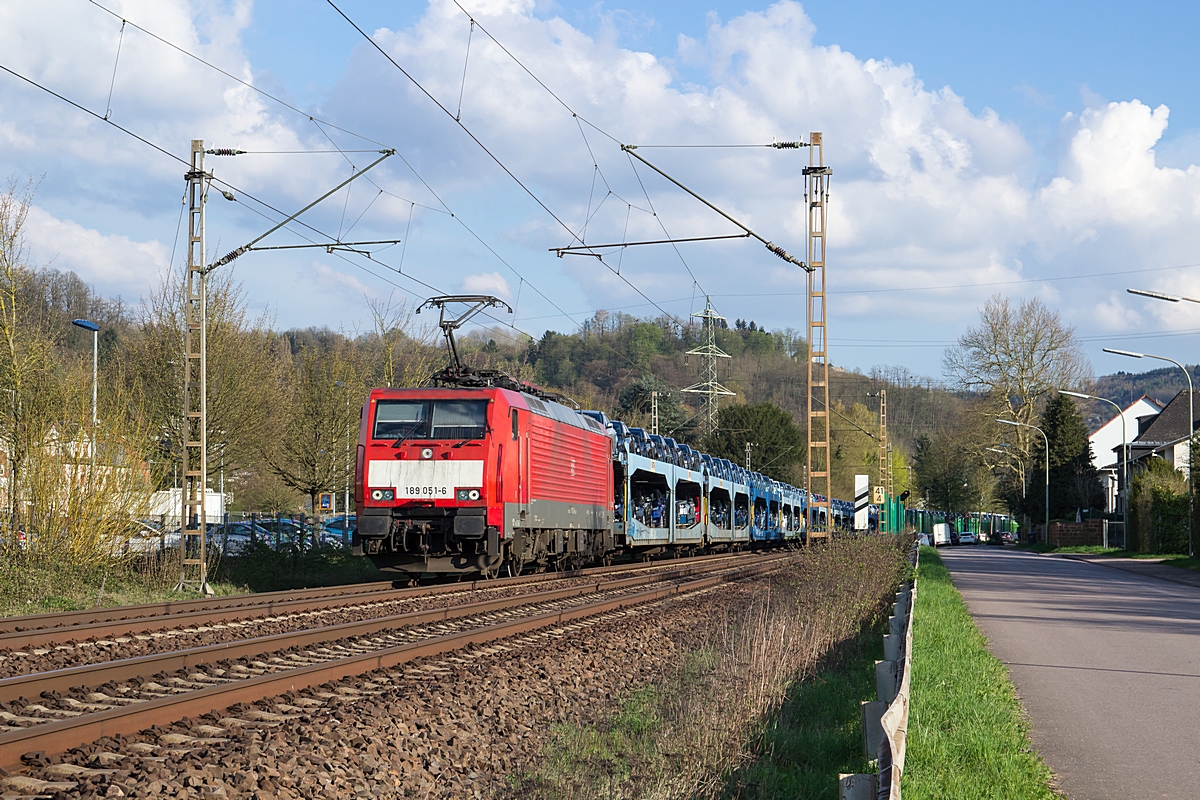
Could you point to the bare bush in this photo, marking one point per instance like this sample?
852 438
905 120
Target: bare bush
740 670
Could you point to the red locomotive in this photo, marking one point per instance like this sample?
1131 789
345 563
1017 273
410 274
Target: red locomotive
489 472
468 479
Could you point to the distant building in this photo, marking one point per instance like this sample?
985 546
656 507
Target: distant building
1165 435
1106 444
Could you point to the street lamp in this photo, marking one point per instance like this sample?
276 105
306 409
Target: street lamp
1191 416
1124 458
88 325
1047 438
346 495
1170 298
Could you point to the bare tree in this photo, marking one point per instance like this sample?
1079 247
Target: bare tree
25 352
320 414
74 487
404 356
246 360
1013 360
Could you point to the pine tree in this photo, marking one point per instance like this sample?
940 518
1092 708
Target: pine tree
1074 481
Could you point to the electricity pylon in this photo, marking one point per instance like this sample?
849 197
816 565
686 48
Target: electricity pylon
710 388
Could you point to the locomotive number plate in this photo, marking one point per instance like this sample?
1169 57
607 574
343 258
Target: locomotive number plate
425 491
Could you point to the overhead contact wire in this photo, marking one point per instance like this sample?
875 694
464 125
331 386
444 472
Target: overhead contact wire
490 154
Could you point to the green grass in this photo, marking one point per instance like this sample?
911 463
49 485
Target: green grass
594 760
261 569
41 586
1170 559
30 585
816 735
967 734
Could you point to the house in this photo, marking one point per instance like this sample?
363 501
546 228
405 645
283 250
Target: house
1165 435
1106 444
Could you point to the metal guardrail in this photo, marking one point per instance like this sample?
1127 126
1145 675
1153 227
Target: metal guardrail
885 720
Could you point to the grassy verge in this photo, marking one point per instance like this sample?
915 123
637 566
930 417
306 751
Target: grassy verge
817 734
765 704
32 585
967 734
261 569
1170 559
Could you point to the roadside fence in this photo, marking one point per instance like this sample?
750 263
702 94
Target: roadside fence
885 720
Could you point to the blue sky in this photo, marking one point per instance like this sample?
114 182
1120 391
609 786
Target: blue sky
1030 61
1025 149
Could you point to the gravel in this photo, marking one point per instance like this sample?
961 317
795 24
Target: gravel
456 725
74 653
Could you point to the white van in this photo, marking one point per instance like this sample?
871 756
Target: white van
941 534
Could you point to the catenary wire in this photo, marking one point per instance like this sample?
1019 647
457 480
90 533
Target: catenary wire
493 156
319 123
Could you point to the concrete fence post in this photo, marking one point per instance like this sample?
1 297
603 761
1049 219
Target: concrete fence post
872 727
893 647
887 680
857 787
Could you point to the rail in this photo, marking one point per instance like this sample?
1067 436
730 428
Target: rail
56 735
885 720
42 630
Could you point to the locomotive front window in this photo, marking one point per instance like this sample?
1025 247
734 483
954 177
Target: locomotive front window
401 419
459 419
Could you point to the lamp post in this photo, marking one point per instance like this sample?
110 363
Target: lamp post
1047 439
346 487
88 325
1124 456
1191 415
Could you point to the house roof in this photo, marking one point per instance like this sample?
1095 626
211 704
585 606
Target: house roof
1107 439
1171 425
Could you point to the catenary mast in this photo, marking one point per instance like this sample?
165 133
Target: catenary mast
817 480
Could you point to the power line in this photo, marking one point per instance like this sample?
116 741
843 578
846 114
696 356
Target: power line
939 287
229 75
580 119
492 155
319 123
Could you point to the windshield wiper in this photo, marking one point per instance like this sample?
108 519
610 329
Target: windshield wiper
403 439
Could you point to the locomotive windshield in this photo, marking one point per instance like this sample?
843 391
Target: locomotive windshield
430 419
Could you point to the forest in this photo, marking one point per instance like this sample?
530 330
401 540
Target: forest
284 404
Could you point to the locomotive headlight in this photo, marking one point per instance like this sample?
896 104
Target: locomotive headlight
383 494
427 452
377 495
473 494
467 495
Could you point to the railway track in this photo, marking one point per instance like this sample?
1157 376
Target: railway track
48 630
75 706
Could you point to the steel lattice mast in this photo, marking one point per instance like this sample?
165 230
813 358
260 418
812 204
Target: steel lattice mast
710 388
195 389
817 484
885 452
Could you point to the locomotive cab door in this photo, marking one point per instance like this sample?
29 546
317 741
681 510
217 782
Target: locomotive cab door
520 432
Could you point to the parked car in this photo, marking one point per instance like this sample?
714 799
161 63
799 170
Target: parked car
941 534
924 539
967 537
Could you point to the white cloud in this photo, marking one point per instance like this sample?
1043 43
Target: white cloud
116 264
492 283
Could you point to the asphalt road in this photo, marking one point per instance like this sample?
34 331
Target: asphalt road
1107 665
